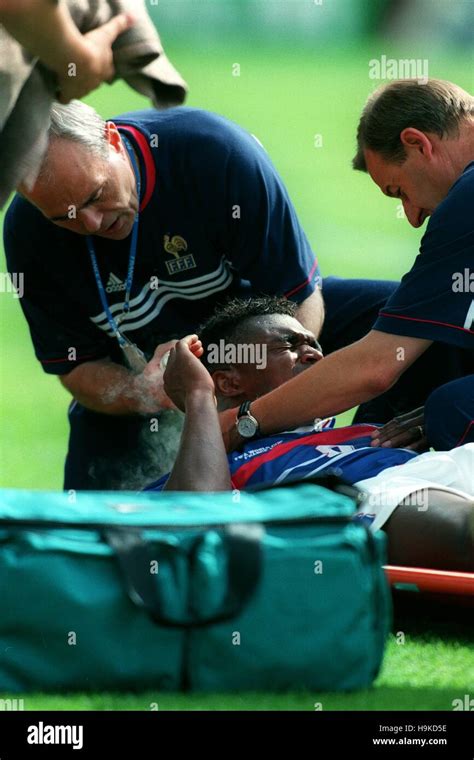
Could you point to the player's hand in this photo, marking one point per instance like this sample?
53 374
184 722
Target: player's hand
406 431
185 373
95 65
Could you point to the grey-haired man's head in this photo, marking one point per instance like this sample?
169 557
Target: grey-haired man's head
86 183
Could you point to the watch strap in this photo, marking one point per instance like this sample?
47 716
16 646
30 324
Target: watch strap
244 409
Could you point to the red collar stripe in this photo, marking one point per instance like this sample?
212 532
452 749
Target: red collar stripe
150 178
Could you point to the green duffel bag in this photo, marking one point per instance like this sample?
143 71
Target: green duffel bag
170 591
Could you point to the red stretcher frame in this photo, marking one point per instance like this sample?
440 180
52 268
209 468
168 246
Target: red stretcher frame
432 581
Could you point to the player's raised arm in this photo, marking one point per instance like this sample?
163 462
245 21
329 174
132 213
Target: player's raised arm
201 464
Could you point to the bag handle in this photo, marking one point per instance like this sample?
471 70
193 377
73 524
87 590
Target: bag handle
243 547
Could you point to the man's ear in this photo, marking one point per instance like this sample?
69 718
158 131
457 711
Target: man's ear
112 135
414 139
228 382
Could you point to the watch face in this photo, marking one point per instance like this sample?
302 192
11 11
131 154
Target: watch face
246 427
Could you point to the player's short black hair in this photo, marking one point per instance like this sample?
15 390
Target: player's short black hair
228 321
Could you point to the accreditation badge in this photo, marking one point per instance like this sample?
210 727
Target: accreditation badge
134 357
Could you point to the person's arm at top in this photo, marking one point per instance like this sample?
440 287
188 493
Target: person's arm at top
45 28
341 381
201 464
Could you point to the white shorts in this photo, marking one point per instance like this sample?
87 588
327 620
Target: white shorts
451 471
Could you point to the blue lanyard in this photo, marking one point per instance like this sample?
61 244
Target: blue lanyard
131 260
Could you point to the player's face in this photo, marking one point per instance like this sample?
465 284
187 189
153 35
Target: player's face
418 183
86 193
287 349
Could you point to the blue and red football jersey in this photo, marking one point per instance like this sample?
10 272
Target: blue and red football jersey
302 453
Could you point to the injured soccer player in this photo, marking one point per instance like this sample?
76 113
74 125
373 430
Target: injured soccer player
424 502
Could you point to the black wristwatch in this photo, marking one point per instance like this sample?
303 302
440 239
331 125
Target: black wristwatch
246 423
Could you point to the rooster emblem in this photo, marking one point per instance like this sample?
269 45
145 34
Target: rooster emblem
175 245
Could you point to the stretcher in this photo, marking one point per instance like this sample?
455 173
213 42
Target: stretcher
430 581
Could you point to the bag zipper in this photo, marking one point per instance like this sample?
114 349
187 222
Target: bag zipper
58 524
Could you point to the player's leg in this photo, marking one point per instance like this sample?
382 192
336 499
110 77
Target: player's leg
432 529
449 414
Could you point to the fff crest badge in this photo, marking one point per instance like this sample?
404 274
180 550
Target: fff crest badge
182 261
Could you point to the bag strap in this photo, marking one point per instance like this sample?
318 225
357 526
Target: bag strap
243 547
